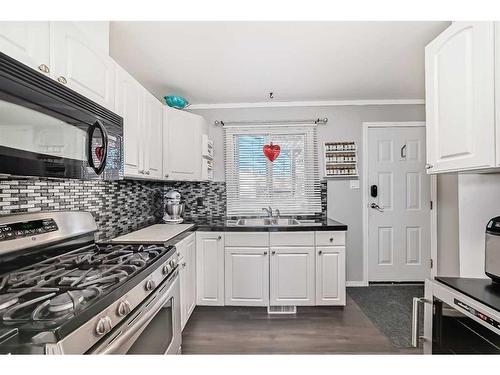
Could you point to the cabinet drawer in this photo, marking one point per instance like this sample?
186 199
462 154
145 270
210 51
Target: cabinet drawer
330 238
292 239
242 239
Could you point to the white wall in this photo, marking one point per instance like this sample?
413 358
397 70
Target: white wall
97 32
478 202
345 123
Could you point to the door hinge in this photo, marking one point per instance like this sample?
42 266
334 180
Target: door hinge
431 205
432 263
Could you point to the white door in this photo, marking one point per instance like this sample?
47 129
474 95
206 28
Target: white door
330 275
81 66
130 105
247 276
210 268
399 214
182 145
153 144
459 98
292 276
27 42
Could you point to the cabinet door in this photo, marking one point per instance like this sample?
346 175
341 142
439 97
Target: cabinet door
27 42
292 276
153 145
210 268
330 275
130 105
497 91
247 276
459 80
80 65
183 286
182 144
190 267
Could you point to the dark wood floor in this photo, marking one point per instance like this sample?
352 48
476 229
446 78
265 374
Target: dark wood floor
314 330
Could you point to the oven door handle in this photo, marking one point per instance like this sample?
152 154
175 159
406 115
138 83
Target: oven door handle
98 125
139 319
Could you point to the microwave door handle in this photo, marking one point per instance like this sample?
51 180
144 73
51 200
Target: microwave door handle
100 169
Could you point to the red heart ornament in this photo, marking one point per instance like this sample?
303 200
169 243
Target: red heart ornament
271 151
99 152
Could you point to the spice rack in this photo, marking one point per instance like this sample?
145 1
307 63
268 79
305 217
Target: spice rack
341 159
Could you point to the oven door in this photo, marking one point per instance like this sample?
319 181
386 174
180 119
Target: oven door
49 130
154 327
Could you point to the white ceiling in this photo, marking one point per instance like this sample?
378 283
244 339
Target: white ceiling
233 62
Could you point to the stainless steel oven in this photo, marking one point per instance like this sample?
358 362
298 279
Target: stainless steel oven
48 130
154 327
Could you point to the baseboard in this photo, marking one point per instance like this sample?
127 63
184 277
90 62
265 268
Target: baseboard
355 283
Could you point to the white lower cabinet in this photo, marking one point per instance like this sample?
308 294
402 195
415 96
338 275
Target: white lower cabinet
247 276
270 269
210 268
292 277
330 275
187 275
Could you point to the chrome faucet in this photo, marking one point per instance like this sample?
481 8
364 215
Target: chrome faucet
269 211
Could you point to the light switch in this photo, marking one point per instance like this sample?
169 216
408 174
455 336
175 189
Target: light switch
354 184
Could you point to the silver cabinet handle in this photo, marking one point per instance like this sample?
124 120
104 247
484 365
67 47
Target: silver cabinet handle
265 252
415 324
141 171
429 166
219 238
44 68
184 265
320 252
62 80
147 172
273 252
166 176
403 153
376 207
331 239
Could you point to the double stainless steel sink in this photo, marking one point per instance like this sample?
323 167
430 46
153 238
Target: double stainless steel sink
266 222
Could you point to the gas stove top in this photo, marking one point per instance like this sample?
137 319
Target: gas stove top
50 297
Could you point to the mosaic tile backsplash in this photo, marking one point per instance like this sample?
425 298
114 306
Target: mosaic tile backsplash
118 207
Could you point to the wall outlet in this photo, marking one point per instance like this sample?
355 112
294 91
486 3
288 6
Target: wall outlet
354 184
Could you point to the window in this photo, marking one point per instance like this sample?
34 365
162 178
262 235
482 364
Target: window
290 183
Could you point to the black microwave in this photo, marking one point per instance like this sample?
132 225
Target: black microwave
49 130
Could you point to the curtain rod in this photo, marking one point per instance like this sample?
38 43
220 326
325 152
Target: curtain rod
317 121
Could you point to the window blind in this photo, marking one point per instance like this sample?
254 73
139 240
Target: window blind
290 183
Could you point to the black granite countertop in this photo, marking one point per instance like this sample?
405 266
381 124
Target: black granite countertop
222 225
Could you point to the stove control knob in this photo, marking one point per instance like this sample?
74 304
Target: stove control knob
150 285
173 263
123 308
167 269
103 326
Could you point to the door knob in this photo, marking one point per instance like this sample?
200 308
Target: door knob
375 206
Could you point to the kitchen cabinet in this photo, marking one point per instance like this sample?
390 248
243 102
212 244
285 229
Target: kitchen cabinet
210 268
153 145
460 108
182 143
292 276
187 276
246 276
27 42
142 127
130 105
330 275
77 63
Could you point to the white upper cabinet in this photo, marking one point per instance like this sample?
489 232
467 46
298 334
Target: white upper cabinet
183 144
77 63
129 103
153 145
27 42
460 109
